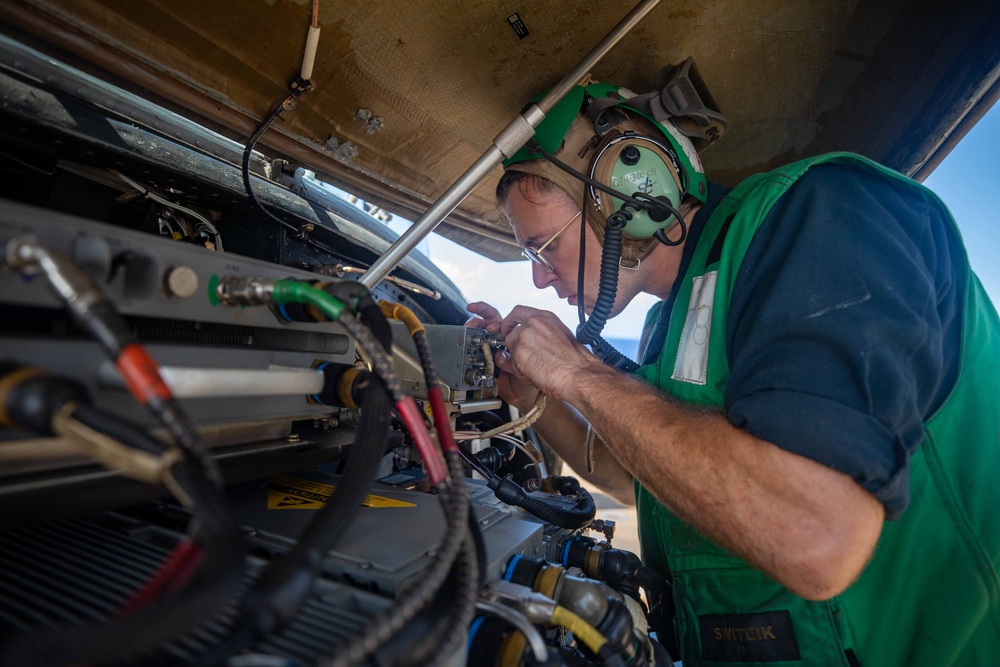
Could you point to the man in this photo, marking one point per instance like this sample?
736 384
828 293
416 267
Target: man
814 434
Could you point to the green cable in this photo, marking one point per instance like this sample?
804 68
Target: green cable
294 291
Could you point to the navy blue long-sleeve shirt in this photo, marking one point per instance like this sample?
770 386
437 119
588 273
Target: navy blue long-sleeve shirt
844 326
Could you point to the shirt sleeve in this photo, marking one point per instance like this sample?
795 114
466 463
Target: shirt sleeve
844 326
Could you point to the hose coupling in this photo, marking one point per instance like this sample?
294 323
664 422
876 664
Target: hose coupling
254 291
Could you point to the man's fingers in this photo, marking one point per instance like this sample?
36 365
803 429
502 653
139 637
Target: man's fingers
484 310
489 317
519 315
503 361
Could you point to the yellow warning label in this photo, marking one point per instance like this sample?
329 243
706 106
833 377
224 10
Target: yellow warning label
293 493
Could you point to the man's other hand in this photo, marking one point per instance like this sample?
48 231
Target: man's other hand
543 351
514 387
489 317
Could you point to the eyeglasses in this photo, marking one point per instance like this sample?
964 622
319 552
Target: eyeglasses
535 254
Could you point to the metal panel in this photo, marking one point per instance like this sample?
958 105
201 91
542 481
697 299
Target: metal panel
80 571
387 547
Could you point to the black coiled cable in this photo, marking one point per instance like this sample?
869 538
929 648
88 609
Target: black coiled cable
612 357
608 286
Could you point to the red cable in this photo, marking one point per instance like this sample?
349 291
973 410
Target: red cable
408 410
174 573
141 374
441 422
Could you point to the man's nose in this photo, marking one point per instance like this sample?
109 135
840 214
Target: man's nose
541 276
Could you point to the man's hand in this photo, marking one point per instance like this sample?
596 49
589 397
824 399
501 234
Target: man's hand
513 387
536 342
489 317
542 350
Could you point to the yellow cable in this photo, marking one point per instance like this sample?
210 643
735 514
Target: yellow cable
580 628
488 356
403 314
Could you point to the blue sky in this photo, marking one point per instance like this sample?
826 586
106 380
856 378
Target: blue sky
968 181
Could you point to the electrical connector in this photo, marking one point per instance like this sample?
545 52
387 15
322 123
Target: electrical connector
255 291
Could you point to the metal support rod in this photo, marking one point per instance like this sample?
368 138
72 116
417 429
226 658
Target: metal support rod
511 138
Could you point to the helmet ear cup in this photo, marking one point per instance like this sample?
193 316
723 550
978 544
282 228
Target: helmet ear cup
645 168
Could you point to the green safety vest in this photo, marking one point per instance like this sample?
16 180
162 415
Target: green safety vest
930 594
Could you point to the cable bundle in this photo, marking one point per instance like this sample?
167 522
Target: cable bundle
164 608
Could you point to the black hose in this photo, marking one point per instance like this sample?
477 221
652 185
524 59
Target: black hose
661 606
448 631
476 531
284 586
426 358
608 283
383 626
473 462
357 297
464 608
210 593
380 360
580 516
118 429
218 535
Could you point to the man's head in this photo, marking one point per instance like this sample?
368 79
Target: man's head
655 170
546 222
639 145
609 135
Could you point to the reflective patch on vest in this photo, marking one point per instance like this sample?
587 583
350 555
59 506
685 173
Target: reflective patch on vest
764 637
691 364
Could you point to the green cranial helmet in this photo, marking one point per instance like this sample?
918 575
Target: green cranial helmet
681 109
